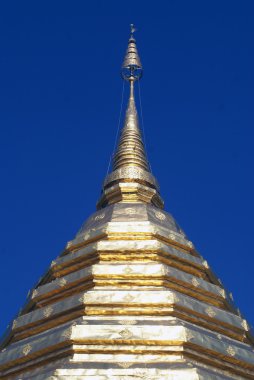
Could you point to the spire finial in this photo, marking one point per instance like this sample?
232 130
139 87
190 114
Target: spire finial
133 30
131 150
132 68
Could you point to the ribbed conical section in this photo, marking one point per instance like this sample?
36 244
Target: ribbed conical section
130 151
131 57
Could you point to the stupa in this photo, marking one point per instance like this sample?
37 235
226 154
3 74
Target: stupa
130 297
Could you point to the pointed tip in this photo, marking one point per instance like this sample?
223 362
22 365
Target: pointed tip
133 30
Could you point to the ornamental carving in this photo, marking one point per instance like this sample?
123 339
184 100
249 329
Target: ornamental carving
231 351
26 349
222 292
47 311
35 293
99 217
125 364
125 334
62 282
82 299
131 173
141 375
128 270
209 311
53 263
245 325
160 216
195 282
127 322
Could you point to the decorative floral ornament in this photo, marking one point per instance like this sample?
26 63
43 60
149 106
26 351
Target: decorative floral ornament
160 215
209 311
125 334
62 282
48 311
231 351
125 364
195 282
128 270
26 349
99 217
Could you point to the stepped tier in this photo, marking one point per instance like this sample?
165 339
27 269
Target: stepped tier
129 295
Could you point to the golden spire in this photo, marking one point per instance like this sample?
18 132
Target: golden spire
130 151
130 164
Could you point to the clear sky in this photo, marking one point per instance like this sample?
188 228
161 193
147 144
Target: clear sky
60 93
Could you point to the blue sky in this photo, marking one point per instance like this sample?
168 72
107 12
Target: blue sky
60 93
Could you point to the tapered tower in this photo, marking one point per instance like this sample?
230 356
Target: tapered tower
130 297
